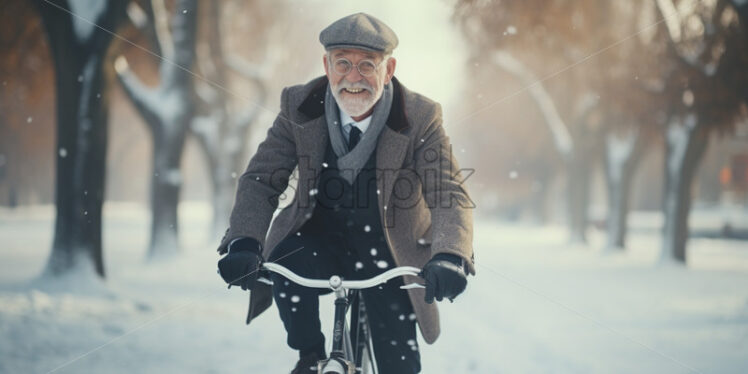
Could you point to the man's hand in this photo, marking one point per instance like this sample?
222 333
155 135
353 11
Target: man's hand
240 267
445 277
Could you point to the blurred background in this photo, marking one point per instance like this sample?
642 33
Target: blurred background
596 134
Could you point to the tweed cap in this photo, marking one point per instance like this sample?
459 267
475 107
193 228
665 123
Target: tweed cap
360 31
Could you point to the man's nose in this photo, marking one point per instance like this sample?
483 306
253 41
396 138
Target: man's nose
354 75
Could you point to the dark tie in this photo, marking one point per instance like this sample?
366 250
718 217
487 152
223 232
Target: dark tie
353 137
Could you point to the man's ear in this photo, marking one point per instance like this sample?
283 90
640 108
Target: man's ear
391 63
324 63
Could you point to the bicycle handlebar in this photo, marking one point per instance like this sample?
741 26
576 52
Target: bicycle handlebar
335 282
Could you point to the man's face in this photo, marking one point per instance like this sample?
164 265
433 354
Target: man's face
356 94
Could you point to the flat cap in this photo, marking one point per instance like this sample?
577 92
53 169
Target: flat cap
360 31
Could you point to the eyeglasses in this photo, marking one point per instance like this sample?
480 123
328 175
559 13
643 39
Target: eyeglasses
366 68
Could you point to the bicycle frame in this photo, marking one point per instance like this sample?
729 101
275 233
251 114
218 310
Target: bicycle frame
343 359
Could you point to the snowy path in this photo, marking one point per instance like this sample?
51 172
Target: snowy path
536 306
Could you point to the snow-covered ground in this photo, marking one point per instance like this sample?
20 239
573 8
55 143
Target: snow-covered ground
536 306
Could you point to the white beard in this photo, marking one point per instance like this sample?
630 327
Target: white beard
355 106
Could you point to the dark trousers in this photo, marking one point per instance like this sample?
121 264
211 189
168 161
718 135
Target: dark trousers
321 255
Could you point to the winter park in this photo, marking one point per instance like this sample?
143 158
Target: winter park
308 186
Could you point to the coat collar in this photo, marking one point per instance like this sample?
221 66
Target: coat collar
313 105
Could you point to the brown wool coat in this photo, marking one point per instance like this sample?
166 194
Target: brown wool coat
425 209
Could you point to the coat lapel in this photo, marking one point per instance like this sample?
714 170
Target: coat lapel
311 143
391 149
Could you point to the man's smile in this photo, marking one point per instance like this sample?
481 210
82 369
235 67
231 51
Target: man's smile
354 90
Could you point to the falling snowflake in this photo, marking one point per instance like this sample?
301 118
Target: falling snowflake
513 174
359 265
393 342
295 299
421 241
411 342
324 165
298 233
423 140
285 283
314 253
233 175
402 318
313 192
63 152
378 192
367 228
412 317
402 358
382 264
282 295
29 119
184 11
293 309
80 78
373 251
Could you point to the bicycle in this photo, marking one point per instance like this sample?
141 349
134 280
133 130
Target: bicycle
352 350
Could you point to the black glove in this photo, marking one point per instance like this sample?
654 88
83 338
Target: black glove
240 267
445 277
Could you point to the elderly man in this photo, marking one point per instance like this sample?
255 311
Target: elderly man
378 187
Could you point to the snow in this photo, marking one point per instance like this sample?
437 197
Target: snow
536 305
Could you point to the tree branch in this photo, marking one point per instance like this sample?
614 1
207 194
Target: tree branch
561 136
672 18
144 98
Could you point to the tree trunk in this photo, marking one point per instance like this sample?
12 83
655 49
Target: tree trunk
623 152
539 199
79 50
165 188
686 140
578 169
168 110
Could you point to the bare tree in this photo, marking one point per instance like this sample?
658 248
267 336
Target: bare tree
707 42
567 102
79 35
167 109
221 131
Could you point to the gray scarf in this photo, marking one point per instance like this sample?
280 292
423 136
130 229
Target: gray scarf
350 163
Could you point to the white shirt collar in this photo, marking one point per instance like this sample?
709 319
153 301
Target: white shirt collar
346 119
